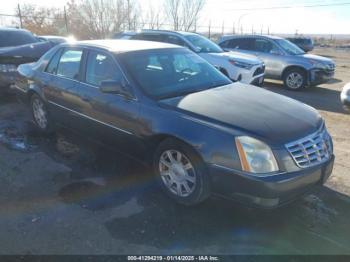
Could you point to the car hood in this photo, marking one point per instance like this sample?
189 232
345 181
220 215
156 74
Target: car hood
245 58
24 53
318 58
245 109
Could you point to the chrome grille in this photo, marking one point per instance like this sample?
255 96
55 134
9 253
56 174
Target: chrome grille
311 150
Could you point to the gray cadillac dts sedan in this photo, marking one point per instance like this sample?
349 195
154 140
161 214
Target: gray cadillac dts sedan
201 133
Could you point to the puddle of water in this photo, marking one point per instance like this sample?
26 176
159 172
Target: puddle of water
12 137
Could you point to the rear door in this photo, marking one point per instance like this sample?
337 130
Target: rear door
60 90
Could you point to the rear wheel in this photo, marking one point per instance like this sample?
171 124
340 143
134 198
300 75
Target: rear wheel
294 79
40 114
181 173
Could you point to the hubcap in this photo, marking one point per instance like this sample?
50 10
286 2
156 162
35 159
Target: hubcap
39 113
294 80
177 173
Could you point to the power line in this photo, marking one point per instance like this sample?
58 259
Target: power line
289 7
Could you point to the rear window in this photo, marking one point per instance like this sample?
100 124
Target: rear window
16 38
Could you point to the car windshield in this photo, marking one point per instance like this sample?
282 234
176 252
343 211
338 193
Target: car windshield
204 45
16 38
165 73
289 47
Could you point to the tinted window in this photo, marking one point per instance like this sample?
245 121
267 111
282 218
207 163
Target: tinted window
265 46
101 67
172 39
262 45
241 43
148 37
52 67
203 44
16 38
289 47
69 64
171 72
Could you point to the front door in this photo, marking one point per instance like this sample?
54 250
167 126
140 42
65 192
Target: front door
109 117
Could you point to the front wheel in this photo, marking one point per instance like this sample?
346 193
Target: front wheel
294 79
181 173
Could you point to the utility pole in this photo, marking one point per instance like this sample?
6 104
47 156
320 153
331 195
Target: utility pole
209 33
20 16
223 27
233 28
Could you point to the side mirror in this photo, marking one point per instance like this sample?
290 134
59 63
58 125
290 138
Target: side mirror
115 87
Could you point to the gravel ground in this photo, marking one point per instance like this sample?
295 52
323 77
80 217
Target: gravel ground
62 194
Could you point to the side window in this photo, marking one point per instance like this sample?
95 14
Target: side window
183 64
264 46
173 40
101 67
247 44
234 43
69 64
148 37
52 66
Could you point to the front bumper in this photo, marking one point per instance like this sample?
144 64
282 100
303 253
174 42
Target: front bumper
270 191
320 76
254 76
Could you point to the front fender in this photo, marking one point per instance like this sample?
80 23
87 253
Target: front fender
213 145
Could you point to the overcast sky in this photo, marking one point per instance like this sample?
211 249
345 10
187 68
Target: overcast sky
320 20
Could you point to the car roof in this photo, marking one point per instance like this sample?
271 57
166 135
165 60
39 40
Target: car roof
13 29
154 31
122 46
227 37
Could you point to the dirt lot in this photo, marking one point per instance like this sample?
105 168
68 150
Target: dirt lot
62 194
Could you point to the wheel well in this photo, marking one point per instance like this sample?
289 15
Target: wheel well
156 140
293 67
30 94
224 71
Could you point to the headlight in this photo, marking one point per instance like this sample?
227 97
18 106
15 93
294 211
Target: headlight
318 64
7 68
241 64
255 156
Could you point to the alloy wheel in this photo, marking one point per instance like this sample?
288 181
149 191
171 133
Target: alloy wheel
39 113
177 173
295 80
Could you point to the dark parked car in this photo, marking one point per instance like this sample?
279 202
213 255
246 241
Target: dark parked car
305 43
345 97
167 106
18 46
53 38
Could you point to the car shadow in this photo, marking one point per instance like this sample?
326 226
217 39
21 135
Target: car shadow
141 214
318 97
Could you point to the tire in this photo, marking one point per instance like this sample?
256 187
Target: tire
294 79
173 174
40 114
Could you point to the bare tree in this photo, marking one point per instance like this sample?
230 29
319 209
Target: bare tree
190 12
173 9
100 18
184 14
42 20
153 18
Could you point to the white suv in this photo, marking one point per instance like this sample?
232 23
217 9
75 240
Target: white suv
237 66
